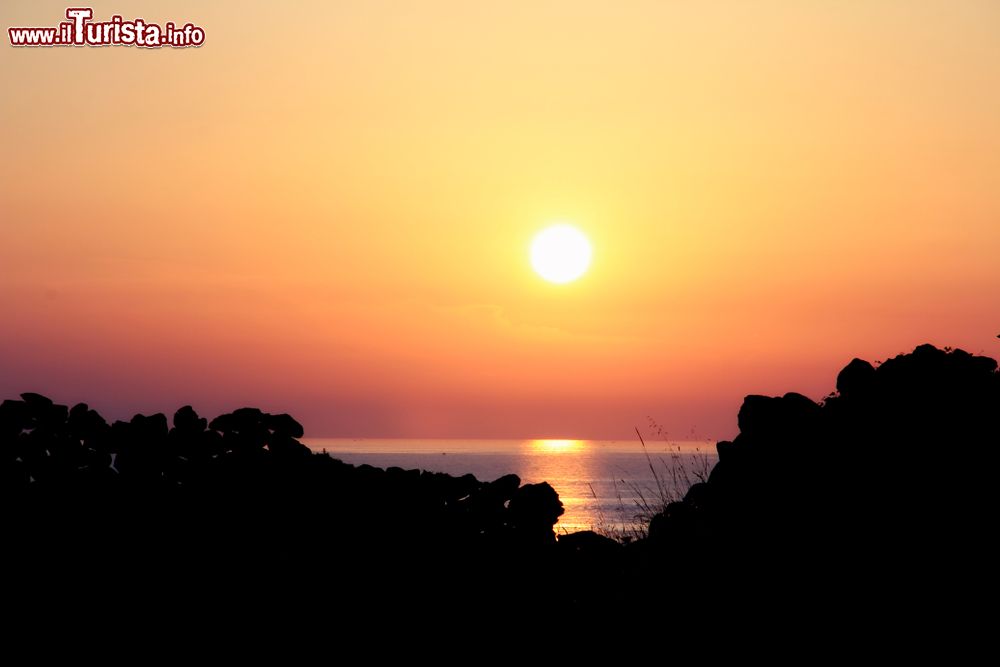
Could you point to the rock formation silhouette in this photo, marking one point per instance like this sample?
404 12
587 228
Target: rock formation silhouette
885 486
237 512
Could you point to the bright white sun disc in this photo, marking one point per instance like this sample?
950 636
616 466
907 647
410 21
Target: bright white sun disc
560 253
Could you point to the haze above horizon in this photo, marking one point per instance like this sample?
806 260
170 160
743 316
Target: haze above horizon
328 209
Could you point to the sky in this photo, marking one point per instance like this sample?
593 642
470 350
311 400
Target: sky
327 208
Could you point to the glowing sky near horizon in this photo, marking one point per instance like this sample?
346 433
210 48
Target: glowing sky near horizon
326 210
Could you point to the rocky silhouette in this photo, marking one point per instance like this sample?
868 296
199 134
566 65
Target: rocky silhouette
885 482
886 485
237 512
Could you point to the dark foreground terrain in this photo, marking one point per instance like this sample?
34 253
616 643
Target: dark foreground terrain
192 519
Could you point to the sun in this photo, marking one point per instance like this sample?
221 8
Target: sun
560 253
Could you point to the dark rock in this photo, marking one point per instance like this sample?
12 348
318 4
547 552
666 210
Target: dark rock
152 426
36 401
188 421
676 526
724 448
242 420
700 496
534 509
285 425
503 488
856 380
590 543
806 485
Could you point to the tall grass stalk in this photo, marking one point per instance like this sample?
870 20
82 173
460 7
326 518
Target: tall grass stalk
672 476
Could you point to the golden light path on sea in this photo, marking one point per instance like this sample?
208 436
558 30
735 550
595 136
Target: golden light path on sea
556 446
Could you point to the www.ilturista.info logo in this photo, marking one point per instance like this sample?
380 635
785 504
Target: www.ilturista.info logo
79 30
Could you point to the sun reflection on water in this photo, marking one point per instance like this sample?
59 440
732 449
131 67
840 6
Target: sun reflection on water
550 446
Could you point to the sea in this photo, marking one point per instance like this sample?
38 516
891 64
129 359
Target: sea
609 486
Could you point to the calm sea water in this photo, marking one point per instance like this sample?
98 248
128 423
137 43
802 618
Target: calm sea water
602 483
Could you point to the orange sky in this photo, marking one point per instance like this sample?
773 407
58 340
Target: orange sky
326 209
